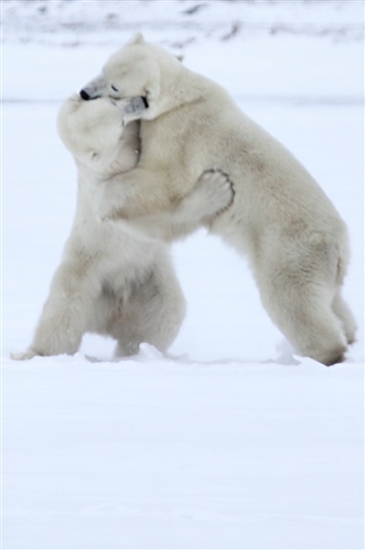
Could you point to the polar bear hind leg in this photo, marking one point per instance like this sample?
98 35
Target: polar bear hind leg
343 312
152 311
305 316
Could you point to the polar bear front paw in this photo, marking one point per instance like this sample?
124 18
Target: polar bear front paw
24 356
212 195
217 192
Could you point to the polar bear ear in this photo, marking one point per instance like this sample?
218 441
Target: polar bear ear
138 39
180 58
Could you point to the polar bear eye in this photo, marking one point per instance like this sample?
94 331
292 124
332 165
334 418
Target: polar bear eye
114 88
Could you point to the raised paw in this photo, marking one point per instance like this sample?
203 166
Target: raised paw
218 191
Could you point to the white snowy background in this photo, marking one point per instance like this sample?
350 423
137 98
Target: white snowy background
227 442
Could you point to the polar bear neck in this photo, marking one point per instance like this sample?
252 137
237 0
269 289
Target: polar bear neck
177 88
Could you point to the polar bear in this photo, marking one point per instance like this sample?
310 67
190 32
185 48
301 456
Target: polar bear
295 240
114 280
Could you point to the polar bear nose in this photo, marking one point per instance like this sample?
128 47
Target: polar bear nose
84 95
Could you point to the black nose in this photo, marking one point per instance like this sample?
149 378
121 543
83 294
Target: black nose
84 95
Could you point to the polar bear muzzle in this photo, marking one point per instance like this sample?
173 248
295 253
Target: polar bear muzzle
84 95
136 104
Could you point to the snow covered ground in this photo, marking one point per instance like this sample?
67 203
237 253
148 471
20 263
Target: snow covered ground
221 444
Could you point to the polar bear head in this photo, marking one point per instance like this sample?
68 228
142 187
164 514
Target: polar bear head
93 133
88 130
139 69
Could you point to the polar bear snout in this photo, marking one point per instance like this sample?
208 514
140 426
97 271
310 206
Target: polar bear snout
88 95
85 95
94 89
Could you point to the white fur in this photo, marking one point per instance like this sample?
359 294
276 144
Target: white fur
296 242
113 280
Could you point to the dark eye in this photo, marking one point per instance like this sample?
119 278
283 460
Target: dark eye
114 88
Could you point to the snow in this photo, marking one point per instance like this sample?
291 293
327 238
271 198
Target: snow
163 454
221 443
